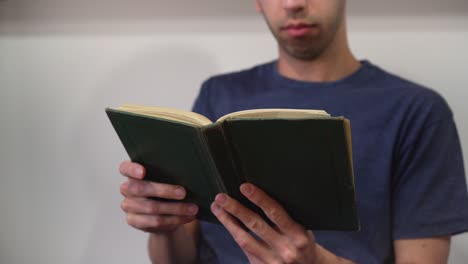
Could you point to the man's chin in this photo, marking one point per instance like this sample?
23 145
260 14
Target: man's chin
305 54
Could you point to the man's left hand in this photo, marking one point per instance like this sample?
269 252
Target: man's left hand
285 242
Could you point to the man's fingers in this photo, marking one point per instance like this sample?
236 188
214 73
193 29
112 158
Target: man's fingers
132 170
273 210
250 219
159 223
149 207
245 241
139 188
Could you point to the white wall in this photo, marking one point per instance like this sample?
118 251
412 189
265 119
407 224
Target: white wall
63 62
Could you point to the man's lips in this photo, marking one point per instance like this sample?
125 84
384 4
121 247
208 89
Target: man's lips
300 29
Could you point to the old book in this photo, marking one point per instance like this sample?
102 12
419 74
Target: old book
302 158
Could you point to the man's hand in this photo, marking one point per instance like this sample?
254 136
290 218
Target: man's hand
286 242
149 215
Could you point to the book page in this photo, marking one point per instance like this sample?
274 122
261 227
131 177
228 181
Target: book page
167 113
276 113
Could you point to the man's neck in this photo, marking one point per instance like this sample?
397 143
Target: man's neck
317 70
335 63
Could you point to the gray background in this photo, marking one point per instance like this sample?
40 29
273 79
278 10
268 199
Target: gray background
63 62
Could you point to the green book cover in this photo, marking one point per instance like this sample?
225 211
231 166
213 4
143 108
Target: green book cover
305 163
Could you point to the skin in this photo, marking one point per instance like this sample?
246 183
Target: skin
172 226
322 55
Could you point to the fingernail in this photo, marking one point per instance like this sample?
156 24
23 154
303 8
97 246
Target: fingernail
221 199
246 189
192 209
215 208
180 192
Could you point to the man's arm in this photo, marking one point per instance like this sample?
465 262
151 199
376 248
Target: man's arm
424 250
180 246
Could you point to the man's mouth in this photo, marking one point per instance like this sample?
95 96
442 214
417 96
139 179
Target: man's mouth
300 29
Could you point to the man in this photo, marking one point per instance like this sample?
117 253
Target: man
410 185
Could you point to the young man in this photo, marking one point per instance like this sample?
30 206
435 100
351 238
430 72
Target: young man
410 184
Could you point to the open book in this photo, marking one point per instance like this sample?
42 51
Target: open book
302 158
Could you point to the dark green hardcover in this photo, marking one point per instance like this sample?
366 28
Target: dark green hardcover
304 164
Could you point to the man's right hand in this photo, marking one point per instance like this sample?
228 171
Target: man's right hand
147 214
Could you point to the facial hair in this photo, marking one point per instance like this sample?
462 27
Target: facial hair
309 47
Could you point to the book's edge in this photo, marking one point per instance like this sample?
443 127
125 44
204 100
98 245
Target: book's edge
349 142
166 112
153 117
121 133
312 113
347 190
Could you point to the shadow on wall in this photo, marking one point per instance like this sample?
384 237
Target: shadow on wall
145 16
167 75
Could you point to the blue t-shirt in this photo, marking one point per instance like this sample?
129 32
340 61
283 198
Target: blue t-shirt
408 166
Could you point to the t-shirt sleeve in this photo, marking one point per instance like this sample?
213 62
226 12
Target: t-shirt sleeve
429 190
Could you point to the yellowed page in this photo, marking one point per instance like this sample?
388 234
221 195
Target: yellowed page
168 113
276 113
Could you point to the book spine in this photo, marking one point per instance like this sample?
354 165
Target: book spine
207 148
221 154
236 164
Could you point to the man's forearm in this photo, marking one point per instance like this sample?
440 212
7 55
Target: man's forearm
179 246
